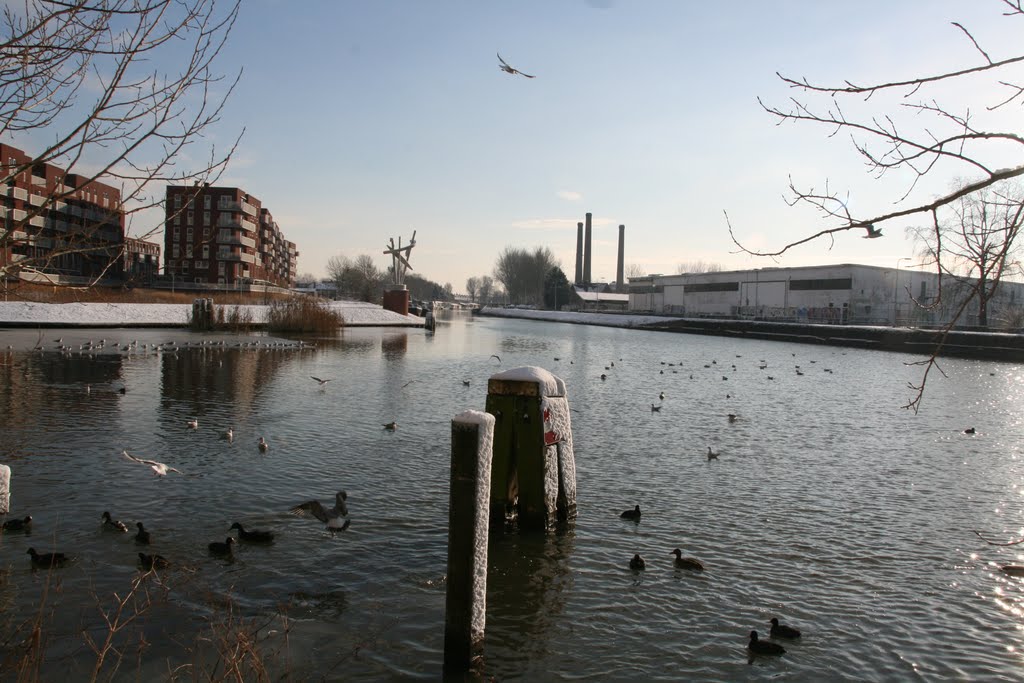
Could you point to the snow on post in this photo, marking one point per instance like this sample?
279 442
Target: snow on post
534 473
5 489
468 504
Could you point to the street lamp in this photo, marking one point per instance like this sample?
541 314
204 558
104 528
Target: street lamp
896 289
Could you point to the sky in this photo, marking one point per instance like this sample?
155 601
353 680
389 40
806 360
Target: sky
366 121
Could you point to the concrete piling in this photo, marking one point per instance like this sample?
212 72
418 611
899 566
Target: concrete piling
469 501
5 489
202 314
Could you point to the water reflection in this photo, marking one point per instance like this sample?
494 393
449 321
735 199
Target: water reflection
528 584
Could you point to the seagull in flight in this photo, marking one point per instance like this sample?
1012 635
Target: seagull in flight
159 468
873 232
494 355
504 66
322 381
332 517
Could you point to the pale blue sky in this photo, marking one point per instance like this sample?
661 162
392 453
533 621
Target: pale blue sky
367 120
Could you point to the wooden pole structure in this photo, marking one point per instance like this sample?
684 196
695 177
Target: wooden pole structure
468 505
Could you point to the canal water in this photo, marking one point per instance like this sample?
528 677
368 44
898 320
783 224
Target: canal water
829 507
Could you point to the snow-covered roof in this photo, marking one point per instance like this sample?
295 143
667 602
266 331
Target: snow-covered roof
601 296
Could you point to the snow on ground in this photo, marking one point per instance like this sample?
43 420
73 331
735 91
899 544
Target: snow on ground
12 313
608 319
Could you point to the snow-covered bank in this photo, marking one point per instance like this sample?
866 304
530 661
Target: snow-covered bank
30 314
606 319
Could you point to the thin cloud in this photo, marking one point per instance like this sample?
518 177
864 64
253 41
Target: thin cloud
558 223
569 195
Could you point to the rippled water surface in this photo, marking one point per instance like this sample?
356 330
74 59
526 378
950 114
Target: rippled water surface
829 507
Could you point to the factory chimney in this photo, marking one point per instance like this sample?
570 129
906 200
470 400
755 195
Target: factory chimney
620 283
579 254
587 253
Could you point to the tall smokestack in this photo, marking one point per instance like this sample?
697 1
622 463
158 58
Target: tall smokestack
587 253
579 254
620 284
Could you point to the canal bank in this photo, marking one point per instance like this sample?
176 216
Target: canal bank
982 345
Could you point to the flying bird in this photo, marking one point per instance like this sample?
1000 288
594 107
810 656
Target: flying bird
504 66
159 468
873 232
331 517
322 381
494 355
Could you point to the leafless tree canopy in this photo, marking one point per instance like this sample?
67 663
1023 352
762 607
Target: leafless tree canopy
943 132
698 267
120 91
522 273
976 243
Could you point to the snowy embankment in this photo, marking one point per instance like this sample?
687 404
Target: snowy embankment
31 314
606 319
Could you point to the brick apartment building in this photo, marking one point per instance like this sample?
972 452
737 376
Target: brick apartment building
223 235
56 222
141 261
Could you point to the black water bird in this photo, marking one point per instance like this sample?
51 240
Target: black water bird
143 536
687 562
711 455
763 647
23 524
149 562
783 631
391 426
253 536
48 559
637 562
222 549
969 430
655 409
631 514
262 445
111 524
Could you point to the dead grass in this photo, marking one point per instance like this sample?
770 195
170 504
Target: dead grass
26 291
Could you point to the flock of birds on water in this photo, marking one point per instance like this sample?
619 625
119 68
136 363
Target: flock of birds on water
755 646
336 518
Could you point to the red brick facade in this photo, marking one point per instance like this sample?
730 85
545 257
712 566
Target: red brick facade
222 235
57 222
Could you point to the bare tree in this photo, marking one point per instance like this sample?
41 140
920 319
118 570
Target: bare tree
976 244
522 273
486 289
936 137
697 267
634 270
472 286
78 83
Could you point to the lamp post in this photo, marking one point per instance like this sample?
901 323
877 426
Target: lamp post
896 289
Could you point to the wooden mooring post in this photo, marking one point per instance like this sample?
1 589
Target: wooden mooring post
468 503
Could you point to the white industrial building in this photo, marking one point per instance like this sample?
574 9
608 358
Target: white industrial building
844 294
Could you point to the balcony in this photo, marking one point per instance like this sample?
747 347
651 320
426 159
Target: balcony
38 180
228 206
249 209
37 221
20 193
235 256
36 200
227 237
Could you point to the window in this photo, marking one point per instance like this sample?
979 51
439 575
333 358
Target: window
177 250
206 201
184 267
177 219
220 280
189 234
206 233
188 251
206 217
199 280
189 218
177 201
206 251
712 287
177 234
824 283
220 269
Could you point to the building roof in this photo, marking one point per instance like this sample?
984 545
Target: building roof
601 296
